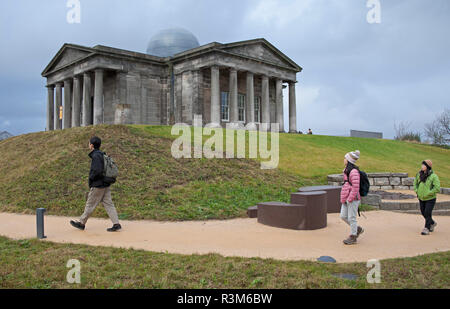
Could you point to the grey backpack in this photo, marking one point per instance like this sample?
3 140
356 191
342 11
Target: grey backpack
110 170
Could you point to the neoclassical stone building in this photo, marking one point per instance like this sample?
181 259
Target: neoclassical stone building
238 83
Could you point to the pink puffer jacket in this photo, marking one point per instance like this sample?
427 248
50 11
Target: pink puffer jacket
350 192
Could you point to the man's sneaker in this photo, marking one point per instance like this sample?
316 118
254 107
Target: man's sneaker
360 231
78 225
115 228
433 226
351 240
426 231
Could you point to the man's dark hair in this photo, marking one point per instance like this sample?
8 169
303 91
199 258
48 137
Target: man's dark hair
96 141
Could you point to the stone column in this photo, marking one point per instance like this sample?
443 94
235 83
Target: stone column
67 108
87 93
58 100
265 100
250 98
292 109
234 118
198 93
279 100
76 105
215 96
50 107
187 97
98 97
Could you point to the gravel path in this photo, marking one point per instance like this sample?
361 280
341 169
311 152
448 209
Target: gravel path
387 235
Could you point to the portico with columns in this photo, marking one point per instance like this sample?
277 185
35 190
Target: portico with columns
238 83
243 97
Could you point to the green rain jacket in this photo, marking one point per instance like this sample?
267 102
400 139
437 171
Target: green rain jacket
427 190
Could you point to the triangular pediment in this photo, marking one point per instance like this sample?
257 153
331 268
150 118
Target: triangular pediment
262 50
66 55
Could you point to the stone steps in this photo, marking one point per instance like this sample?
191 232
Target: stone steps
438 212
405 206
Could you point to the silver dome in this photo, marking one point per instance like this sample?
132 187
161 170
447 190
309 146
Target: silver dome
169 42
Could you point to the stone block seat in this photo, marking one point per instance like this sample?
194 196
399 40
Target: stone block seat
316 208
333 196
282 215
307 211
252 212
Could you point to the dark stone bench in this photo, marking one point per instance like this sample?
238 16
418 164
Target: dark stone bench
307 211
282 215
333 196
316 208
252 212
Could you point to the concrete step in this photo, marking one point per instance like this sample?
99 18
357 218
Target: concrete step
388 205
439 212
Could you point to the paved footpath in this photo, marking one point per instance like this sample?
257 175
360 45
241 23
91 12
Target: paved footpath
387 235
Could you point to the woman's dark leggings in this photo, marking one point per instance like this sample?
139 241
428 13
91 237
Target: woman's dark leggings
426 207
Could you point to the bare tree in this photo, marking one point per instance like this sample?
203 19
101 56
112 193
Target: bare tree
404 133
401 129
438 131
444 121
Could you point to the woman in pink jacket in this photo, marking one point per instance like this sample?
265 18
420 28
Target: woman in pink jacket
350 197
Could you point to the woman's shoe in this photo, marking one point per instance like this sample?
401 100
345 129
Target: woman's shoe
426 231
433 226
360 231
351 240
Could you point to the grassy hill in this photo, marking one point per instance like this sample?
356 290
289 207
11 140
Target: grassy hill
49 169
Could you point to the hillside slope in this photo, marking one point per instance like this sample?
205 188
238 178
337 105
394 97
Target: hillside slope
49 169
315 156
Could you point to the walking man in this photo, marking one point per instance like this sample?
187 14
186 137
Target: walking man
100 190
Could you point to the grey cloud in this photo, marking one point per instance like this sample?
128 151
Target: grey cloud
376 74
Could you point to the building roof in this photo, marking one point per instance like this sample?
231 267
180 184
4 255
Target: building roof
266 53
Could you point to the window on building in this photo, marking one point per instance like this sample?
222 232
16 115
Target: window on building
224 107
258 109
241 107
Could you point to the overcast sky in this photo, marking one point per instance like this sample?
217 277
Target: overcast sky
355 75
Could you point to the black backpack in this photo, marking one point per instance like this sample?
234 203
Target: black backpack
364 185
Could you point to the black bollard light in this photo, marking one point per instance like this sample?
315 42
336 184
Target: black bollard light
40 223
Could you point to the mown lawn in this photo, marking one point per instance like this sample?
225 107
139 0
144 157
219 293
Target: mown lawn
315 156
36 264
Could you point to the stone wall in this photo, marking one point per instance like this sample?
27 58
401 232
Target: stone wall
393 181
380 181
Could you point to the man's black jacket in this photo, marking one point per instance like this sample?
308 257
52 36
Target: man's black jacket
96 172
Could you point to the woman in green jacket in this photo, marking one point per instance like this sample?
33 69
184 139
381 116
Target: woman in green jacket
427 186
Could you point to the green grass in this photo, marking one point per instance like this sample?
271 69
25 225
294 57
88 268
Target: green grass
35 264
314 156
49 169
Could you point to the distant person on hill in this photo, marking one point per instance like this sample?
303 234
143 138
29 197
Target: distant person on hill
100 191
350 197
427 186
310 132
